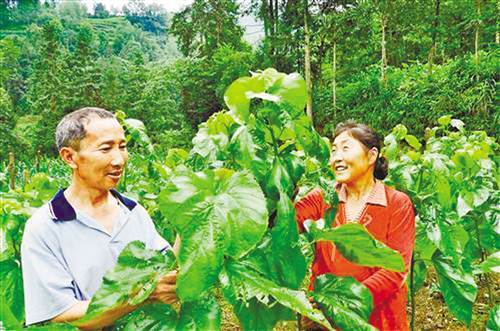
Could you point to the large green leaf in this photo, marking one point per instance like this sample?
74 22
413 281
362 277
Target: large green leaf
216 213
53 327
450 239
357 245
491 264
292 90
312 143
203 314
151 317
493 323
443 191
279 256
345 301
252 313
239 93
243 149
251 284
7 319
131 281
12 288
458 287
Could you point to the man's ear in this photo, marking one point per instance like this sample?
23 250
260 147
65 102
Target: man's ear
68 155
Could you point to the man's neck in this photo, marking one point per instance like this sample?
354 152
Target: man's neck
84 197
361 187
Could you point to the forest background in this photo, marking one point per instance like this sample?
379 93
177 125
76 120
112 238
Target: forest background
381 62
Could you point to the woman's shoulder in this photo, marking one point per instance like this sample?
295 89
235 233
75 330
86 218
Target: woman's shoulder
314 194
396 197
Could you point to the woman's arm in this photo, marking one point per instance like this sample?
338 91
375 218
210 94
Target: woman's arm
401 237
312 206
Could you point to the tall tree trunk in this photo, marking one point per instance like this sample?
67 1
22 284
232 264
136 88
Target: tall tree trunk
307 62
476 39
272 25
383 64
265 17
435 25
276 16
334 80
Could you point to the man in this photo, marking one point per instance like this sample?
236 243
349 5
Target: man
70 242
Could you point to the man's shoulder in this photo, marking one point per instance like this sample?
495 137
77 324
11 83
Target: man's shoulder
41 222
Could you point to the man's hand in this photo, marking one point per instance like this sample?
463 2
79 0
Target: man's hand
165 290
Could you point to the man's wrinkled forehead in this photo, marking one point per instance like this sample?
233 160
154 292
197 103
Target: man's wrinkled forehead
99 130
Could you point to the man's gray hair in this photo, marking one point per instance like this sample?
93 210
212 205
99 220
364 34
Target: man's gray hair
71 129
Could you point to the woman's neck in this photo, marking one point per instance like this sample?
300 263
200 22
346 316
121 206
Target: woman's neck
361 187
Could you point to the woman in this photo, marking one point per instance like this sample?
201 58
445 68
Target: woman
386 213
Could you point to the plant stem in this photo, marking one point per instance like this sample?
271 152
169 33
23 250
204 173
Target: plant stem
412 293
485 279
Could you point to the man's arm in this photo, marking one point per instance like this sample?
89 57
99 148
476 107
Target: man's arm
73 313
164 292
99 322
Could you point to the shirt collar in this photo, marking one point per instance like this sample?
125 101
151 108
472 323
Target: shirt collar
376 197
61 210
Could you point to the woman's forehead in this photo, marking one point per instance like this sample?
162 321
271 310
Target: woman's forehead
344 138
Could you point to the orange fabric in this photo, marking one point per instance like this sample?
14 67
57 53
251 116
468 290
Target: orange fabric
392 224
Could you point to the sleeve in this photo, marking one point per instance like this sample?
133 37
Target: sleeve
401 237
48 286
312 206
154 240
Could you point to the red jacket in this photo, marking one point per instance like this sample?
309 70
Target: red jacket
389 217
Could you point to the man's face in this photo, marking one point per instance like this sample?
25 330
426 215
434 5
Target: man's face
101 158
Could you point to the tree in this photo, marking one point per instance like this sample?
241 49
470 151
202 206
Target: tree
205 26
100 11
307 58
46 94
83 81
151 18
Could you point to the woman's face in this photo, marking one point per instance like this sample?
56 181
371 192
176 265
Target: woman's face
350 159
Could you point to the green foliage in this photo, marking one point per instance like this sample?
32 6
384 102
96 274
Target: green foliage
197 35
154 317
452 178
494 319
132 280
249 284
458 287
255 157
347 301
217 213
415 98
151 18
357 245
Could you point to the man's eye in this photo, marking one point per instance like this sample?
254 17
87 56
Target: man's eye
106 149
123 147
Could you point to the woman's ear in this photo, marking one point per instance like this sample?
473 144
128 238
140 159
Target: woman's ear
372 155
68 155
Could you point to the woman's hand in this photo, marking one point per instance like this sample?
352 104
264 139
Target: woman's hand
165 290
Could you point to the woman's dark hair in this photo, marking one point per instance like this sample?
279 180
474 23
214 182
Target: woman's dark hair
369 138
